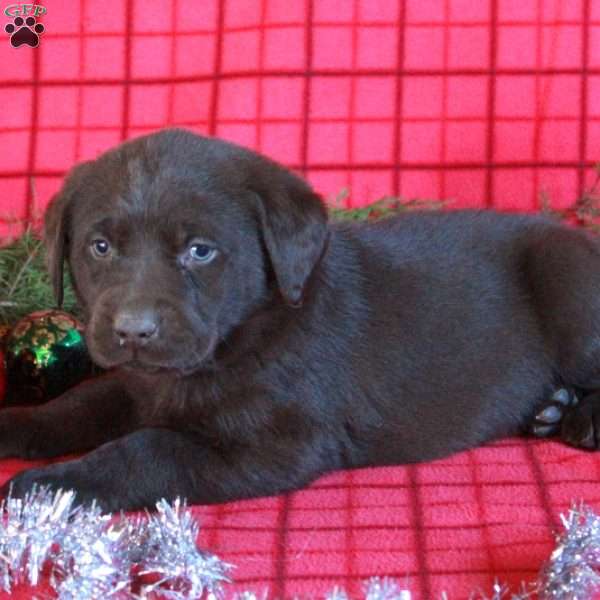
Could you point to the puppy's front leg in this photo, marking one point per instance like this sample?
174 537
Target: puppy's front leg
139 469
84 417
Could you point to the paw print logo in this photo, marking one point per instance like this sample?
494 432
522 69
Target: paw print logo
24 31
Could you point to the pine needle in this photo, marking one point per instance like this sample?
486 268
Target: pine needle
385 207
24 282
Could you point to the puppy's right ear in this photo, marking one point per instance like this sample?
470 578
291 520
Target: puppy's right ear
56 221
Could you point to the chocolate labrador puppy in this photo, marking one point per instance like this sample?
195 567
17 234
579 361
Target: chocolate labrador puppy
251 346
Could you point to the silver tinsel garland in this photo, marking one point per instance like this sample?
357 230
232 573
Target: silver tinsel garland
86 555
572 571
92 556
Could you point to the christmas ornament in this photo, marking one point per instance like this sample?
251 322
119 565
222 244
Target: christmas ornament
2 375
45 355
4 331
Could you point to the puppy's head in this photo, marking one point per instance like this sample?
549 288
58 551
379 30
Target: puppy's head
173 240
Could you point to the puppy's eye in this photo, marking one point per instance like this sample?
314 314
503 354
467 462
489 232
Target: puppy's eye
100 248
202 253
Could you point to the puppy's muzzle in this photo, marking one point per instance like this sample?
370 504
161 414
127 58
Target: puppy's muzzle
136 327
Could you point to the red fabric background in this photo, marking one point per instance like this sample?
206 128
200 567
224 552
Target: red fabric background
487 102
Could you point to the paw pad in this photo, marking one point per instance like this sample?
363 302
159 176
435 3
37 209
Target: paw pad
24 31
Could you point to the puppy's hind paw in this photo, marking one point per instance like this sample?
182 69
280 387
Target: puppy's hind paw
547 421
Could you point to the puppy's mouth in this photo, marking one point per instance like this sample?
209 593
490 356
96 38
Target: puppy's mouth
180 354
138 365
135 365
136 360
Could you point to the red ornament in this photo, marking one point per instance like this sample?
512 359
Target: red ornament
2 376
4 330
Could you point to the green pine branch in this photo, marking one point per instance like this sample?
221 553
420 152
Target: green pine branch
585 211
24 282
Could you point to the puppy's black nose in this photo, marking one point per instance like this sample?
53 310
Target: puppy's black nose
135 327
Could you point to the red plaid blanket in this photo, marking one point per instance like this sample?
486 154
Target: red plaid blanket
454 525
487 102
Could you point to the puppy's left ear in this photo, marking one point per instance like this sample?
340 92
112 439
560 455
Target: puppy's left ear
294 227
55 237
55 231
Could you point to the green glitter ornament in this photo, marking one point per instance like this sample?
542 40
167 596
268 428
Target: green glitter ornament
45 356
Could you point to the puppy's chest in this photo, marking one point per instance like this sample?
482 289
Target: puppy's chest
198 404
225 415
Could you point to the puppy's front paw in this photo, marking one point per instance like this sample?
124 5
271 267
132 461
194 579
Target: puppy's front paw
59 476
